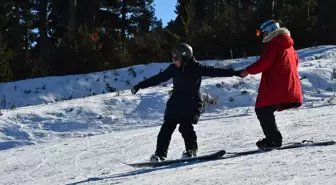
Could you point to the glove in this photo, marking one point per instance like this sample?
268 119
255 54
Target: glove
241 73
237 73
135 89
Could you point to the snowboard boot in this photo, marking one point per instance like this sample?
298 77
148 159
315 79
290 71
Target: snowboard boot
268 144
156 158
189 153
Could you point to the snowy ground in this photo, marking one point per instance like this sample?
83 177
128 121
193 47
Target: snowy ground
85 140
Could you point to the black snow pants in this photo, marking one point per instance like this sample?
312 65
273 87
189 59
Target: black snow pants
267 120
268 124
186 119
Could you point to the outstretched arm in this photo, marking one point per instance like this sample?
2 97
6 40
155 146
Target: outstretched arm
265 61
157 79
216 72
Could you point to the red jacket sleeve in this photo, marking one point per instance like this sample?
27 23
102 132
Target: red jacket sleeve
267 58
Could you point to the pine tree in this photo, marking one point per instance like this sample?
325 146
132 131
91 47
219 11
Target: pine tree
326 26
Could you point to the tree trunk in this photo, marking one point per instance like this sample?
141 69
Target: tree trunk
321 26
95 10
279 10
123 21
73 18
87 12
26 36
43 30
308 9
1 40
15 35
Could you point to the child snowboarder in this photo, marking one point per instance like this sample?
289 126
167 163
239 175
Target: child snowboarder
185 104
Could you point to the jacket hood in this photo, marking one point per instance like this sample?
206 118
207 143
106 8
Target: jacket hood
280 37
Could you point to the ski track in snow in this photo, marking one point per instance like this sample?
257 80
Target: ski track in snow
87 140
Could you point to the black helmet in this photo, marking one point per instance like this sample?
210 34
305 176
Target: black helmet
182 51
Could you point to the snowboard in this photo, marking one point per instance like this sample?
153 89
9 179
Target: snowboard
210 156
219 155
304 143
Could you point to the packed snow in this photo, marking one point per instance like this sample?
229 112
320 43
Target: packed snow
81 129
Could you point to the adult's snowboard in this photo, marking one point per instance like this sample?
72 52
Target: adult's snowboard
304 143
210 156
219 154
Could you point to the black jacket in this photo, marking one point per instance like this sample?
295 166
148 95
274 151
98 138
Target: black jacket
186 82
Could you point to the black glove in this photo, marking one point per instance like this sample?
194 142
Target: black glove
135 89
237 73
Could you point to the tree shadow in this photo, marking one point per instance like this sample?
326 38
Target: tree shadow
153 169
136 172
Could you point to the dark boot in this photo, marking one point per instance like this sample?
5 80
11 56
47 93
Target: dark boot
156 158
267 144
271 131
189 153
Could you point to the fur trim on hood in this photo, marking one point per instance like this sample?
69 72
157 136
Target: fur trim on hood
276 33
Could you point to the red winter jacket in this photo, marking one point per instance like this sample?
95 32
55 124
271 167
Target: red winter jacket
278 63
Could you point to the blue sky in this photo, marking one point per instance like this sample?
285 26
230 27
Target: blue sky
164 9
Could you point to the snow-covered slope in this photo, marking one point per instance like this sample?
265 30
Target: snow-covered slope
99 159
87 139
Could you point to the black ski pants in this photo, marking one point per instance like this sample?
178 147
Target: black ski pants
186 120
267 119
268 124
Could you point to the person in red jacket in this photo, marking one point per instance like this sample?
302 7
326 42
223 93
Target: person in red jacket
280 86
